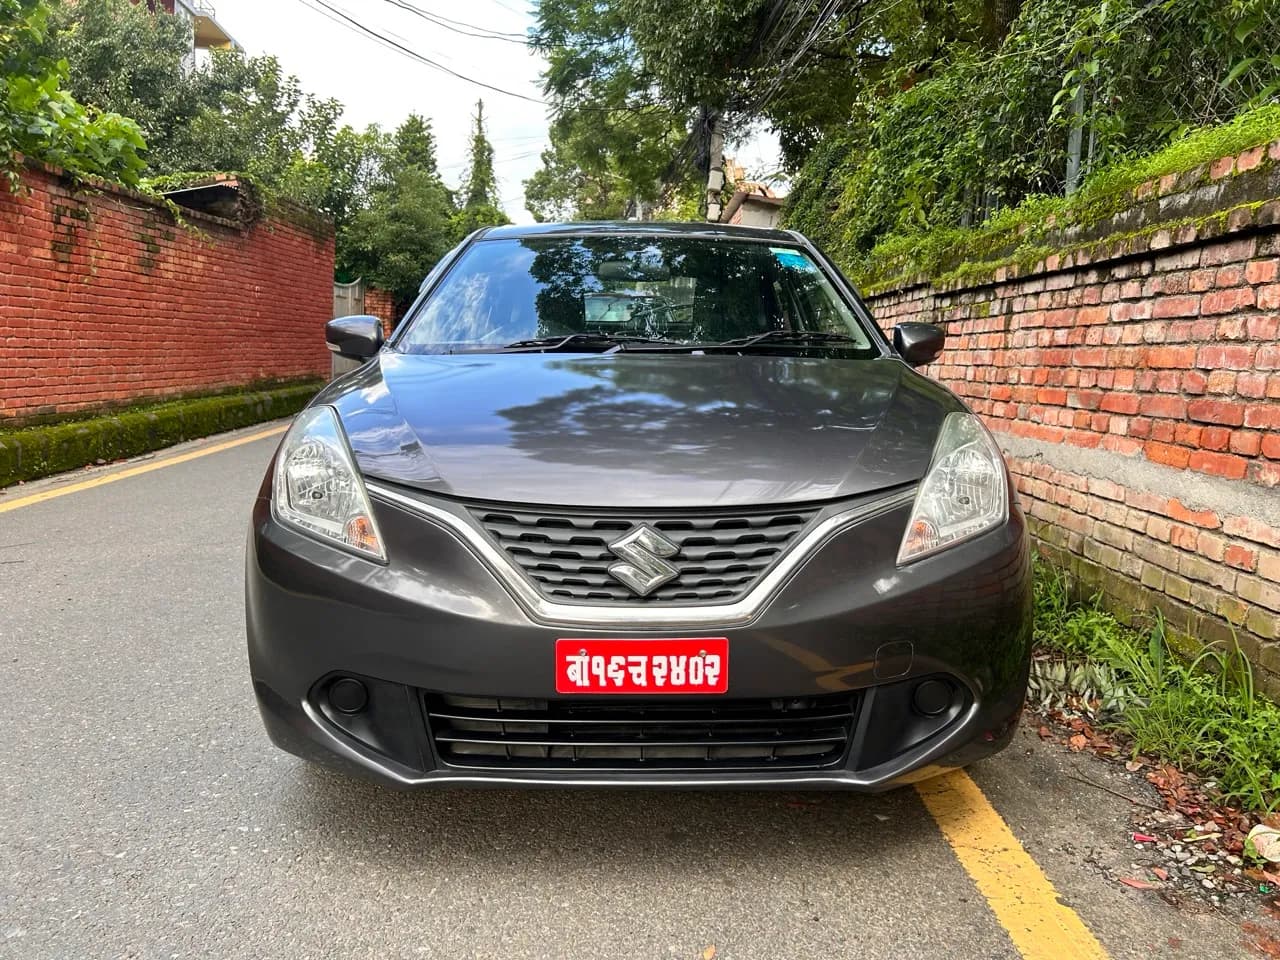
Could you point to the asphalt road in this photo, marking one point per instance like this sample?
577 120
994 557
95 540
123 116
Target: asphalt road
143 813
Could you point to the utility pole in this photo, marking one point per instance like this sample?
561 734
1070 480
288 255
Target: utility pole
715 175
1075 137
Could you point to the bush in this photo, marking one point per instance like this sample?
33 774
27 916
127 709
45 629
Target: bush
1019 232
40 451
980 131
39 119
1204 714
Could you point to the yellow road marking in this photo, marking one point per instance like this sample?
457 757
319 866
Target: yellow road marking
1019 894
43 495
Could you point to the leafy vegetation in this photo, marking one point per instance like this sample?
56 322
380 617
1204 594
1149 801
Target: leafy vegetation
40 451
123 58
42 120
897 117
1204 715
479 205
393 214
978 129
407 222
612 144
638 86
231 112
1017 233
410 219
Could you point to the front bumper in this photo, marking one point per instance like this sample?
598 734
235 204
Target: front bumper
440 620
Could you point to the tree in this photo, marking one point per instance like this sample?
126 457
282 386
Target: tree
479 183
125 58
232 113
407 224
39 117
481 206
397 239
346 169
971 125
638 86
415 143
613 142
394 217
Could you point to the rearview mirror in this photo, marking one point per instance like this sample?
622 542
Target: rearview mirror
918 343
632 270
358 337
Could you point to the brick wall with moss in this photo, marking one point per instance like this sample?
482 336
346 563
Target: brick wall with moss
1129 363
107 298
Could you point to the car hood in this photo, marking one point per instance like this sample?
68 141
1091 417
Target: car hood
640 430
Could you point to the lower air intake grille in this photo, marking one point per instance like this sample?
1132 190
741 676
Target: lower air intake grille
803 732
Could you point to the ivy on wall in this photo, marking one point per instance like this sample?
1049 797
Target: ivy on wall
1094 84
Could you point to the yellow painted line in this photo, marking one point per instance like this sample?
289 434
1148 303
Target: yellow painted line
1019 894
103 479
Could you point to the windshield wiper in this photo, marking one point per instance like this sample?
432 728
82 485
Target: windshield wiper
609 340
789 336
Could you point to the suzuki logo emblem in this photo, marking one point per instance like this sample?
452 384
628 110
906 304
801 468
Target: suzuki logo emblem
643 567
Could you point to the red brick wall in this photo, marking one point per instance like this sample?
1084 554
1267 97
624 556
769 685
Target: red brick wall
105 298
1134 381
381 304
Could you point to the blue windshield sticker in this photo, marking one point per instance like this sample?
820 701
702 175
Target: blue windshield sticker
792 259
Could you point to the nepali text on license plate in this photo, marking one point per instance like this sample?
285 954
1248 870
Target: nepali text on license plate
684 665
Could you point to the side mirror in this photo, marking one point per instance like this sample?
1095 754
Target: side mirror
918 343
358 338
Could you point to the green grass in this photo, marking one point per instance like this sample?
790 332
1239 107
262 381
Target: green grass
1202 715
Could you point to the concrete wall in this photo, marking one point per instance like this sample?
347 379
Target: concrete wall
106 298
1133 379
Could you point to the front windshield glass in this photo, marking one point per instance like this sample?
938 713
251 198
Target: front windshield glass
686 290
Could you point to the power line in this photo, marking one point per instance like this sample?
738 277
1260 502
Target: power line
473 26
362 28
829 13
499 3
353 24
457 26
496 162
333 13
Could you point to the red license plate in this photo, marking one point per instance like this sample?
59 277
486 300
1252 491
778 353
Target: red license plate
684 665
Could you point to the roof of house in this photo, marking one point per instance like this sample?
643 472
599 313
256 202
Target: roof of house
741 197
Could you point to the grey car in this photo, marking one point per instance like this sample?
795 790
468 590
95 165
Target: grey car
638 504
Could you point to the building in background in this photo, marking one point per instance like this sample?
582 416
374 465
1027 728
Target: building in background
206 33
753 204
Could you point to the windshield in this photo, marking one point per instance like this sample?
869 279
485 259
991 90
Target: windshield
636 292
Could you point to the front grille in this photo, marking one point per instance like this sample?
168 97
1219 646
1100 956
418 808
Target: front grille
718 557
804 732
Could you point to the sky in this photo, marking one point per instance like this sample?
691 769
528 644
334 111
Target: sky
381 85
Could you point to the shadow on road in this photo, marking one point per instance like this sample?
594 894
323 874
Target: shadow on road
581 829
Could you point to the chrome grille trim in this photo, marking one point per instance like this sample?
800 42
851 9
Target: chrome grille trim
718 554
639 616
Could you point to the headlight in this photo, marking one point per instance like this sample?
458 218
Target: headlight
318 489
964 493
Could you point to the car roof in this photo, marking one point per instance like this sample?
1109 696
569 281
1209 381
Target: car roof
606 228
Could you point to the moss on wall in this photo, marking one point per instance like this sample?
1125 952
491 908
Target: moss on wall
1210 170
43 450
